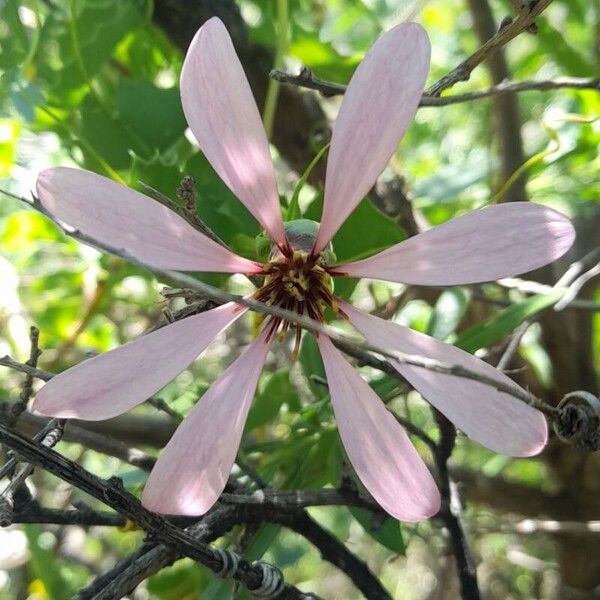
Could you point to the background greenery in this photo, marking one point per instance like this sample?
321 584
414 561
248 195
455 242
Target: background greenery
93 83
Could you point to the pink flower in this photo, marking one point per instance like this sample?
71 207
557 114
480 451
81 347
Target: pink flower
484 245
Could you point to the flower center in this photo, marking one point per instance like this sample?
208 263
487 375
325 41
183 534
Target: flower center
300 283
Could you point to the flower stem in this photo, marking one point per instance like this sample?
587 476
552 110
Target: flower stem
273 88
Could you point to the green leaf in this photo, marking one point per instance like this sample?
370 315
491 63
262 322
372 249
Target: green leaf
154 115
261 541
323 59
159 173
388 533
489 332
312 364
182 580
10 130
383 386
555 43
275 392
315 469
108 136
14 42
74 47
447 312
364 233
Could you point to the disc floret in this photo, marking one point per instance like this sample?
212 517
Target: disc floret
297 280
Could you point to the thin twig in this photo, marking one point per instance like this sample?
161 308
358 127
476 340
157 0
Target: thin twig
506 33
307 79
50 439
573 279
281 499
7 361
358 349
27 387
334 552
11 463
149 559
85 518
451 511
112 493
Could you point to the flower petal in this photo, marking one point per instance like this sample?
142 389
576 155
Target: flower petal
192 470
378 106
483 245
219 107
110 384
126 220
377 445
495 419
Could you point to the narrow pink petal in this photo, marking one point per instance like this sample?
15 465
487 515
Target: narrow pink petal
192 470
377 446
494 419
378 106
483 245
126 220
219 107
110 384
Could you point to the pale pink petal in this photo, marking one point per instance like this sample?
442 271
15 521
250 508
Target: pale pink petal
483 245
192 470
378 106
110 384
219 107
125 220
495 419
377 446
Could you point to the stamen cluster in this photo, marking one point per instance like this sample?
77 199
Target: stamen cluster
298 282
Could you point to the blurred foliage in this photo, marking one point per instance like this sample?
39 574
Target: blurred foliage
94 83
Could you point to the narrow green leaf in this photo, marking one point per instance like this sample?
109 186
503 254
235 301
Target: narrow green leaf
293 211
388 533
489 332
275 392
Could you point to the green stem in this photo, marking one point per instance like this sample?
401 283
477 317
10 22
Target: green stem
527 164
273 88
79 57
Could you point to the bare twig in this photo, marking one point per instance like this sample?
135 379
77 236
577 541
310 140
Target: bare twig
334 552
281 499
507 33
574 278
307 79
27 388
509 87
451 511
11 463
50 439
32 513
7 361
152 557
358 349
112 493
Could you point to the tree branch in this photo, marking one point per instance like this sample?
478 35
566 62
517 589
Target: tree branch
359 349
507 33
451 511
307 79
114 495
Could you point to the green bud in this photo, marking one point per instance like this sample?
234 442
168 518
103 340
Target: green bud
301 234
